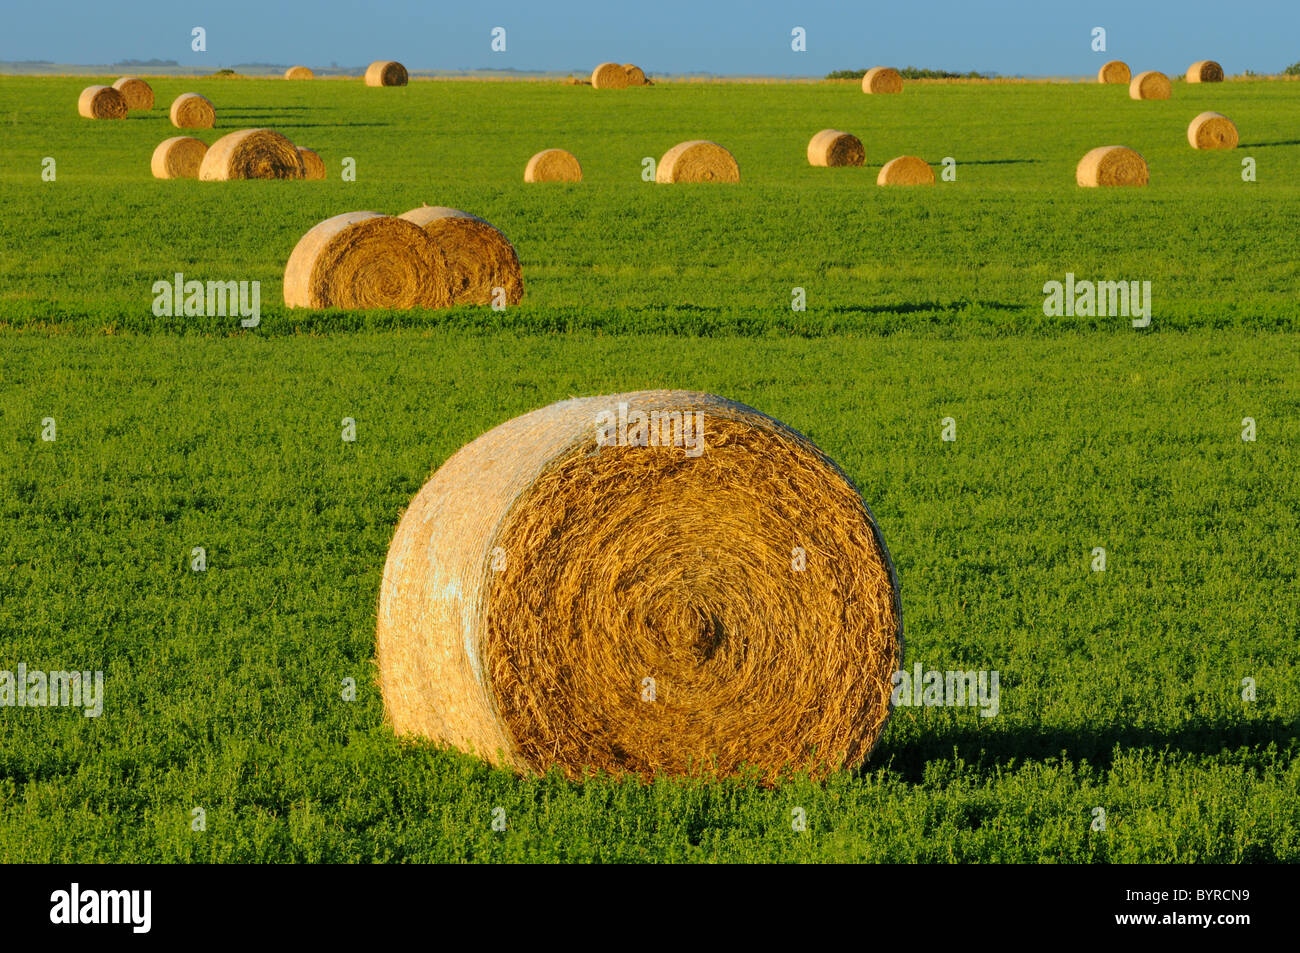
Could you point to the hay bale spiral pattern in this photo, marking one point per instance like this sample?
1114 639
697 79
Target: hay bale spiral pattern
1211 130
479 257
179 157
252 154
1151 84
101 102
313 167
831 147
1116 71
1111 165
906 170
553 165
386 73
635 75
882 79
697 160
1205 71
192 111
138 93
609 76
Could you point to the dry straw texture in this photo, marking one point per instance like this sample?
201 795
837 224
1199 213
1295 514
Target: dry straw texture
101 102
882 79
192 111
178 158
1150 85
1116 71
635 75
609 76
252 154
905 170
831 147
697 160
553 165
480 258
313 167
1205 71
386 73
537 581
1111 165
138 93
366 260
1211 130
299 72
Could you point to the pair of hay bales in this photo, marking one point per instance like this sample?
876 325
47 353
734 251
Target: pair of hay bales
696 160
618 76
834 147
1119 165
113 102
429 257
386 73
246 154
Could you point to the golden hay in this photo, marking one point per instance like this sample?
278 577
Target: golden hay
635 74
101 102
609 76
480 258
192 111
882 79
1116 71
1205 71
1111 165
252 154
312 165
178 158
641 609
905 170
697 160
386 73
363 260
138 93
1150 85
299 72
1211 130
553 165
831 147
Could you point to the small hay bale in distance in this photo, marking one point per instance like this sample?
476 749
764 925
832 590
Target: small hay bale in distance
906 170
386 73
192 111
364 260
299 72
179 157
138 93
697 160
480 258
1211 130
553 165
1205 71
1116 71
1111 165
540 578
635 75
252 154
609 76
1151 84
313 167
882 79
101 102
832 147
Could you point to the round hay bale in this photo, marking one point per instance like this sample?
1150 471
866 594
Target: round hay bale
882 79
609 76
635 74
179 157
192 111
361 260
252 154
1205 71
299 72
101 102
386 73
138 93
1111 165
1211 130
1116 71
697 160
906 170
553 165
549 601
313 167
1150 84
831 147
480 258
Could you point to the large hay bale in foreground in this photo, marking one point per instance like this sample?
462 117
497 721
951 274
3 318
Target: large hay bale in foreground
192 111
1111 165
1211 130
313 167
697 160
101 102
906 170
252 154
831 147
1205 71
179 157
386 73
1116 71
138 93
1150 84
551 601
635 75
882 79
480 258
299 72
609 76
361 260
553 165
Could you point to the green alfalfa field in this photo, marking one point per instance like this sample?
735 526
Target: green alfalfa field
1124 689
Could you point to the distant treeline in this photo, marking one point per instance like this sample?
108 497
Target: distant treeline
912 72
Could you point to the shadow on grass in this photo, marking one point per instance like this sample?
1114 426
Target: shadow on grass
995 161
1263 145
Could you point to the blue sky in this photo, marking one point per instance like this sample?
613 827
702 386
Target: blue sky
1032 37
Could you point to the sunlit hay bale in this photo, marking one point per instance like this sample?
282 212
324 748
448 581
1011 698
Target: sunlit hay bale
906 170
1205 71
101 102
697 160
480 257
1211 130
192 111
609 76
299 72
553 165
313 166
831 147
1111 165
1150 85
138 93
179 157
882 79
386 73
252 154
1116 71
635 74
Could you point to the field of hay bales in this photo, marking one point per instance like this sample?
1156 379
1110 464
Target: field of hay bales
1120 689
